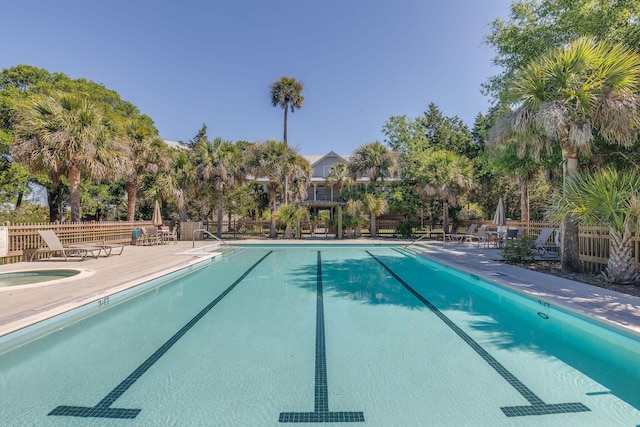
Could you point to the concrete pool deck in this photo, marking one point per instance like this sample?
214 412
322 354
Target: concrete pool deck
24 306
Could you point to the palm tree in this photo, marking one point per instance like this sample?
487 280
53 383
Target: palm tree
339 175
298 178
444 174
374 161
289 215
375 206
65 135
611 198
147 154
567 94
521 165
354 217
278 163
219 165
181 180
286 93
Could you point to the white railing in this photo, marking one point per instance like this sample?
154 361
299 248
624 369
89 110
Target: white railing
202 230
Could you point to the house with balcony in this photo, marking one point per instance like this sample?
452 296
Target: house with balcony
320 192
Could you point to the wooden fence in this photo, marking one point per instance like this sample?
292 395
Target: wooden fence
24 237
593 244
593 241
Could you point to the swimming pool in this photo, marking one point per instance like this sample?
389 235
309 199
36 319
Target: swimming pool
21 278
363 335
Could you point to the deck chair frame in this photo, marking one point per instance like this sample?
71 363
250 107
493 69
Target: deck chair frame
107 248
480 236
545 249
461 237
54 246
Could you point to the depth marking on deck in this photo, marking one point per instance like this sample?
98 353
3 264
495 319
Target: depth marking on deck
103 409
537 406
320 412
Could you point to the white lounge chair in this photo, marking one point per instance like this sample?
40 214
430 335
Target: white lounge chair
480 236
107 248
542 246
54 246
461 237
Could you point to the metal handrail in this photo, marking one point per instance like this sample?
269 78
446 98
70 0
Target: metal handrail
415 241
209 233
444 239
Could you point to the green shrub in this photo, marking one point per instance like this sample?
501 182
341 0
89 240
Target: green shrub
519 250
405 228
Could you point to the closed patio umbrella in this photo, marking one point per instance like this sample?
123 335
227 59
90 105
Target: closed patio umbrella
156 219
499 218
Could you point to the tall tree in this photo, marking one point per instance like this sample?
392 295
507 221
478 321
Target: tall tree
19 83
272 160
444 174
431 129
287 93
219 164
67 135
339 175
182 180
565 96
374 206
404 135
147 154
448 133
534 26
374 161
298 177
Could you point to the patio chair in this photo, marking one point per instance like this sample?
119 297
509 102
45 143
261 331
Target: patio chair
542 246
167 234
137 236
107 248
461 237
480 236
54 246
152 236
512 233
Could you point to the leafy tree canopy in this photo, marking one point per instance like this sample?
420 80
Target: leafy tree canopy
536 25
431 129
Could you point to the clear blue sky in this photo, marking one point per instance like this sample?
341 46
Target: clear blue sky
210 61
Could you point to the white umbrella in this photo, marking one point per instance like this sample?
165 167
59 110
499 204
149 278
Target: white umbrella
499 218
157 215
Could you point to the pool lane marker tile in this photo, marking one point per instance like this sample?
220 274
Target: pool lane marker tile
537 406
103 409
321 413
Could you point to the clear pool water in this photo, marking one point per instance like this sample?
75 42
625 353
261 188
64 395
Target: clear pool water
324 334
20 278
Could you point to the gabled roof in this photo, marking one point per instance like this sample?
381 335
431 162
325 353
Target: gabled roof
314 159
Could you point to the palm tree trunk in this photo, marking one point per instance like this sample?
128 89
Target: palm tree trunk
272 207
220 213
445 217
182 204
286 108
53 199
132 186
569 251
621 263
373 225
524 200
286 190
74 192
